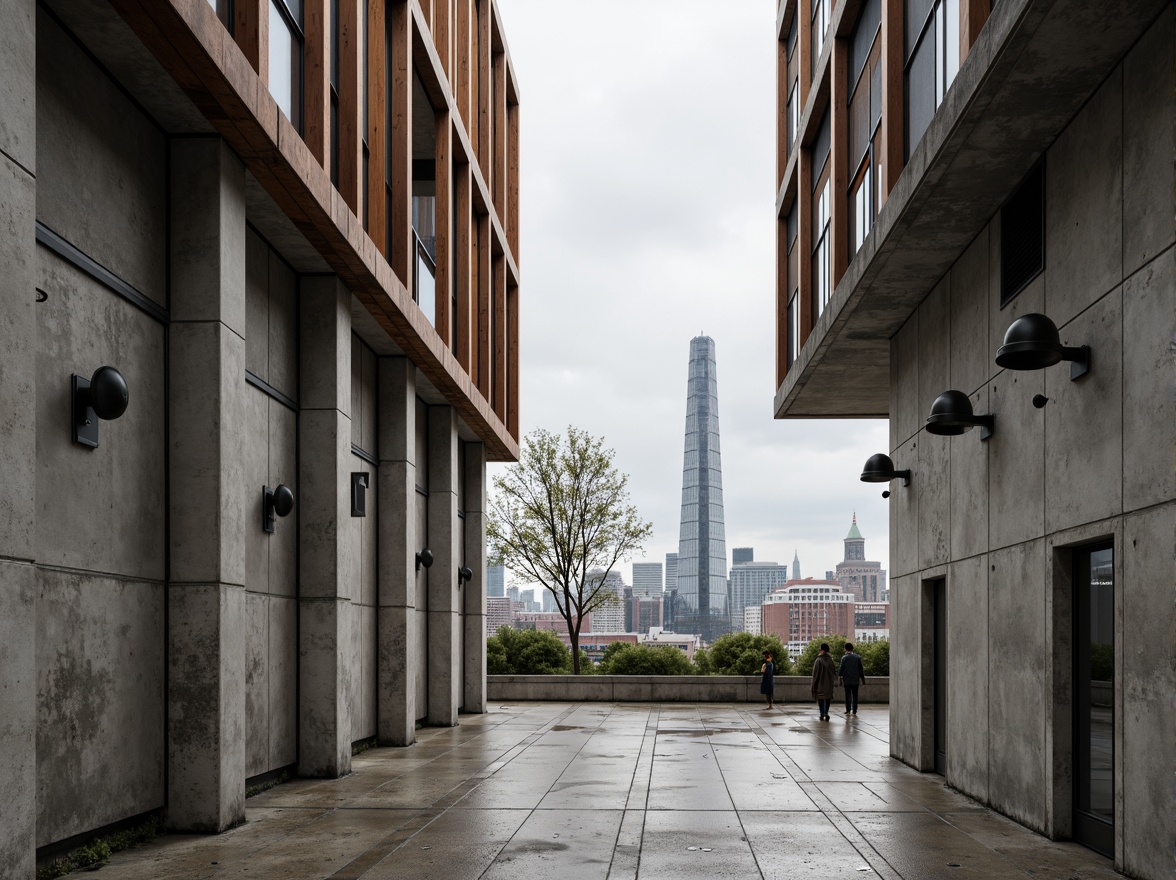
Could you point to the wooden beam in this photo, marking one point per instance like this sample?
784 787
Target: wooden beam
511 220
973 15
462 245
444 218
498 343
400 223
441 25
377 126
804 46
251 31
893 117
316 95
485 285
483 89
350 112
498 125
512 361
462 50
804 241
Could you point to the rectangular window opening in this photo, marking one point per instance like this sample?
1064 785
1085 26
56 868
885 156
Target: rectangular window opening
1022 235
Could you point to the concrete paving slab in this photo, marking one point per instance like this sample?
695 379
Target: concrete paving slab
623 792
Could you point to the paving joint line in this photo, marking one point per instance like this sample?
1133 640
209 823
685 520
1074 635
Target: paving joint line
821 801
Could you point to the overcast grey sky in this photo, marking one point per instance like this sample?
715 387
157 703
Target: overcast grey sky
647 201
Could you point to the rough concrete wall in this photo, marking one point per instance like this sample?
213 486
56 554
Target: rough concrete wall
364 368
100 512
17 436
1095 462
102 167
271 561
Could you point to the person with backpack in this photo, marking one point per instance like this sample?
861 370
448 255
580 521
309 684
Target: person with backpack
851 673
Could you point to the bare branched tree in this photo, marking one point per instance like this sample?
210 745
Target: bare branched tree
561 512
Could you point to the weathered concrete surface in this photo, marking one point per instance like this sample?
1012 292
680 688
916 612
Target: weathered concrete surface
445 667
598 791
665 688
1033 66
474 597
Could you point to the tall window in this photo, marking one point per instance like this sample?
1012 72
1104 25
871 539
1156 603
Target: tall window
285 58
822 280
792 79
335 92
424 203
820 22
932 61
865 122
793 344
363 97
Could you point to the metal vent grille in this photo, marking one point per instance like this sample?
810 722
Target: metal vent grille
1022 235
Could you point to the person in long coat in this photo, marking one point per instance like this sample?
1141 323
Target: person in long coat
824 676
767 680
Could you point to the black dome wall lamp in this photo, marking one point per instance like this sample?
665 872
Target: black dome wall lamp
951 415
274 503
425 558
880 469
465 574
1032 342
102 396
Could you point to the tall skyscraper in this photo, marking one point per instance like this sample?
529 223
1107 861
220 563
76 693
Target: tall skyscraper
647 580
495 580
742 554
796 565
702 544
671 571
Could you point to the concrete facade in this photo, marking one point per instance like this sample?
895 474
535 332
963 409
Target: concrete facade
160 648
996 529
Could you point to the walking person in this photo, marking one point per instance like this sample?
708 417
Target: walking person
852 674
824 675
767 682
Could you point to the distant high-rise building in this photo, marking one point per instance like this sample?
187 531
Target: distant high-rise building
749 583
702 543
498 613
865 579
805 610
647 580
549 601
742 554
495 580
671 572
796 565
609 617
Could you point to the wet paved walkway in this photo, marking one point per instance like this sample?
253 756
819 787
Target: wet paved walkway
569 791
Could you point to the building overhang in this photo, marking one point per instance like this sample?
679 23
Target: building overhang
1033 66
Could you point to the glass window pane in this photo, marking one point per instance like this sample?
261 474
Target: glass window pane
426 285
917 13
281 61
920 94
951 62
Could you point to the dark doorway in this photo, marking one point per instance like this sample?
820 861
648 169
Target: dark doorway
939 674
1094 698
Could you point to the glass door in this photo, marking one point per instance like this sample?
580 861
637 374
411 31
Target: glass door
1094 698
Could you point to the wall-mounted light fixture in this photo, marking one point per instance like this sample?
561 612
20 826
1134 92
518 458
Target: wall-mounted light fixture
425 558
465 574
1032 342
359 487
102 396
274 503
880 469
951 414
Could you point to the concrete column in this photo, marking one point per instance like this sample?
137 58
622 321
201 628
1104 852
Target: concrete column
445 674
328 539
396 698
209 497
18 341
473 601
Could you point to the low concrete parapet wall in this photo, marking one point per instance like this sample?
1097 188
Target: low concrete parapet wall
664 689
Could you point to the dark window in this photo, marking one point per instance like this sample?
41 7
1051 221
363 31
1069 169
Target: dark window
790 43
932 61
820 24
820 149
868 23
285 58
335 92
224 11
363 97
1022 235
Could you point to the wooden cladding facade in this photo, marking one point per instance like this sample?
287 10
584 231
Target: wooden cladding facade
823 92
389 54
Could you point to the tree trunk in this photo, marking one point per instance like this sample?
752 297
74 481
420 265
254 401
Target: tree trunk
574 638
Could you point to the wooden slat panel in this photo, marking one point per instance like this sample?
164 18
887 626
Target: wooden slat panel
462 49
350 119
804 48
400 223
973 14
498 343
498 124
377 133
512 361
251 30
781 299
442 28
484 89
444 184
893 135
781 111
512 176
462 245
316 97
485 283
